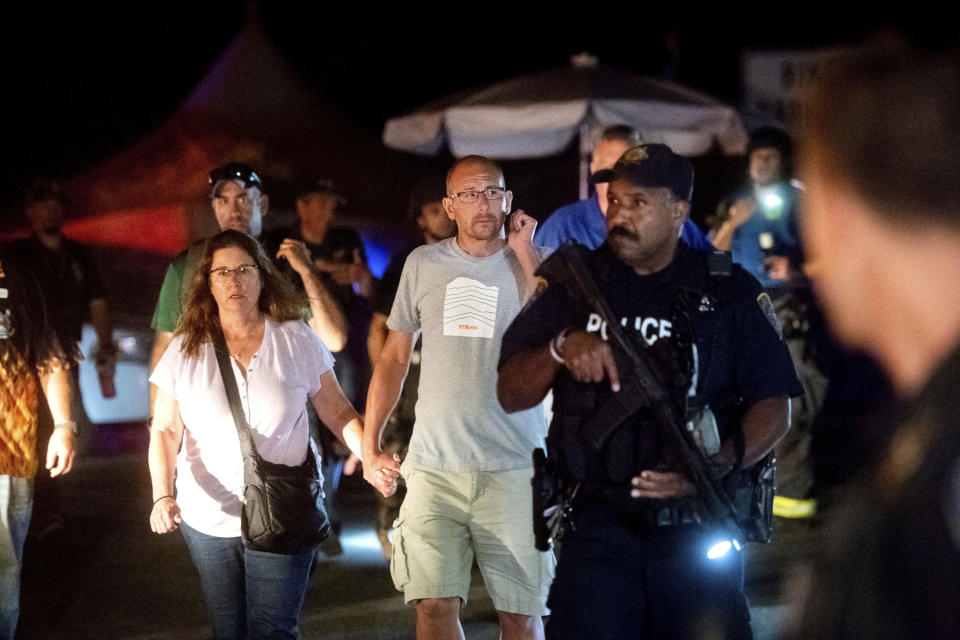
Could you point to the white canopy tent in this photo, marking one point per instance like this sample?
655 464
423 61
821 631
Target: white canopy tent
539 114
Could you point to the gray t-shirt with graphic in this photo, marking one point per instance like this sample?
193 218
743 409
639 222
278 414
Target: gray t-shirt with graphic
463 305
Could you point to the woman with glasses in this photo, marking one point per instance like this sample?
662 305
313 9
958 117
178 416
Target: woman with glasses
279 364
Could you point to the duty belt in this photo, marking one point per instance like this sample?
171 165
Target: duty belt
616 495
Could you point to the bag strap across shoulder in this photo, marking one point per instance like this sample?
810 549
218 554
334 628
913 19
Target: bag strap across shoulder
247 447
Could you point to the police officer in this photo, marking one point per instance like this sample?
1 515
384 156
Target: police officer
634 562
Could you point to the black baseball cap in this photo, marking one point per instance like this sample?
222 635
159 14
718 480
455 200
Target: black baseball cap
318 185
236 172
774 137
652 165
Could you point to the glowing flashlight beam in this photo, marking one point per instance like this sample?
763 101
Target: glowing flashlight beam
719 549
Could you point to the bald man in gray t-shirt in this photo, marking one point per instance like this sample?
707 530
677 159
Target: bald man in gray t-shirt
469 464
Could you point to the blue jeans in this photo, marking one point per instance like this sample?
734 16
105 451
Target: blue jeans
16 505
249 594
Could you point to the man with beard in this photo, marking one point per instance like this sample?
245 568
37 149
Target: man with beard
635 527
468 467
585 221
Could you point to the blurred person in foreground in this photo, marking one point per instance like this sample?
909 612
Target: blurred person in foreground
585 221
279 364
33 365
881 226
426 209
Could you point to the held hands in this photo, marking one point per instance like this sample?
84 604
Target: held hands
382 471
521 230
165 516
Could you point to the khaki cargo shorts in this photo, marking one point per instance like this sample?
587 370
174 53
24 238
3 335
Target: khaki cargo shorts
449 516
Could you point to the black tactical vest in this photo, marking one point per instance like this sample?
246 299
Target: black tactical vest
703 323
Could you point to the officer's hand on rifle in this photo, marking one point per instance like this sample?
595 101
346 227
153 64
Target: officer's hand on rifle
589 358
661 484
671 484
664 484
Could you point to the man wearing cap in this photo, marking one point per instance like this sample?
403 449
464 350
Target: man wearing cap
72 291
239 203
340 261
68 275
468 466
711 330
585 221
758 223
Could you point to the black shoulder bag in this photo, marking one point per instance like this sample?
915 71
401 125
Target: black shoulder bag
283 508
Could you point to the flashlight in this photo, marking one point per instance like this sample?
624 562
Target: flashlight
772 201
721 548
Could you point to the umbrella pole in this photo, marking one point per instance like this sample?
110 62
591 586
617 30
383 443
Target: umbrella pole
584 160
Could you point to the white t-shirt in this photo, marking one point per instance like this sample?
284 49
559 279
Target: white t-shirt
282 375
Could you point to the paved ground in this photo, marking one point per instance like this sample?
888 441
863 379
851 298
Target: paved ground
107 576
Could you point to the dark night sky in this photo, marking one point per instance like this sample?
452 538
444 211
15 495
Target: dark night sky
83 82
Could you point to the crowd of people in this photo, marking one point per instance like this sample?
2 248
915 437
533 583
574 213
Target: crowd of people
645 332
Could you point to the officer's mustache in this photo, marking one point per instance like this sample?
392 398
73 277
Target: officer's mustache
621 231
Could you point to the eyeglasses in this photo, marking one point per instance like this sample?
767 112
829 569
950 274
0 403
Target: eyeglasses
244 272
468 197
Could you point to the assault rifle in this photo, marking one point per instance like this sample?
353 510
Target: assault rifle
639 389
